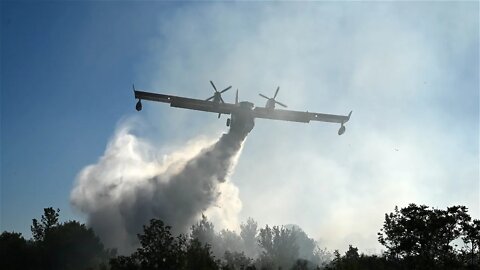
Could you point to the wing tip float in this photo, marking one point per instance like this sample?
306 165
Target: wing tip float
238 109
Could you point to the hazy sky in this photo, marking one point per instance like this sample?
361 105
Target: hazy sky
409 71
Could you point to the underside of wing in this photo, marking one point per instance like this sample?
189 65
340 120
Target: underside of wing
277 114
296 116
141 95
332 118
186 103
202 105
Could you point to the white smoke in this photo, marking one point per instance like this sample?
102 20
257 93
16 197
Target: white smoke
134 181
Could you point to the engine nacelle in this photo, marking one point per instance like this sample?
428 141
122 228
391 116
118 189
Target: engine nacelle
341 130
139 105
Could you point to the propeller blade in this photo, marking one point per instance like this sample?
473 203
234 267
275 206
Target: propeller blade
226 89
213 86
222 99
263 96
276 92
281 104
236 97
219 115
209 98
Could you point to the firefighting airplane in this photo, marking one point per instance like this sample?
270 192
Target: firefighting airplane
242 113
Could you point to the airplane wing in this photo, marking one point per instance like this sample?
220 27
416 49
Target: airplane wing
186 103
296 116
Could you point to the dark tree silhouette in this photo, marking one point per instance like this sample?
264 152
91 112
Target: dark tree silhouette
422 237
200 257
471 238
49 220
160 250
68 245
416 237
55 245
124 263
16 252
236 260
352 253
72 245
352 260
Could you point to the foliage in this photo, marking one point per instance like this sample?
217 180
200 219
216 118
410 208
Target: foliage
279 247
48 221
203 231
200 257
160 250
72 245
248 233
55 245
16 252
415 237
352 260
471 237
423 236
236 260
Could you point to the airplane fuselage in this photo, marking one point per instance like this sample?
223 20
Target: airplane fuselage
242 119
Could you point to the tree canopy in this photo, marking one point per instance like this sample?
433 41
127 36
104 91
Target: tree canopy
415 237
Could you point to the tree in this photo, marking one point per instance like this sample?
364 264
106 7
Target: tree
55 245
352 253
236 261
203 231
422 236
199 257
279 247
352 260
16 252
160 250
308 248
230 241
49 220
248 233
68 245
471 238
124 263
72 245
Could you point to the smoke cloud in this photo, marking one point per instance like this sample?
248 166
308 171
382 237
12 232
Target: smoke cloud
130 185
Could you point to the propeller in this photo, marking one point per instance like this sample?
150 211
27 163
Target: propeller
273 99
218 94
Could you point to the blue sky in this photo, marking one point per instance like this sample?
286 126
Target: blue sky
409 71
67 70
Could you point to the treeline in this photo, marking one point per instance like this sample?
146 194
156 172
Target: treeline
55 245
415 237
